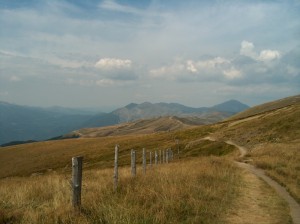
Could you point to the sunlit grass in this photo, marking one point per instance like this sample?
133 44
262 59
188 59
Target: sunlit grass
281 162
195 191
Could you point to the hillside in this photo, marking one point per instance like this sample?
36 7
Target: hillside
147 126
274 105
272 135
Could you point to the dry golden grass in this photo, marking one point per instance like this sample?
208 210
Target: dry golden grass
195 191
273 141
258 203
148 126
282 162
278 126
266 107
98 152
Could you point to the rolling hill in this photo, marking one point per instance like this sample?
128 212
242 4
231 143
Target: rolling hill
146 126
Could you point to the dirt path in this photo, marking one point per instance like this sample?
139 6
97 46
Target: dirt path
281 191
257 203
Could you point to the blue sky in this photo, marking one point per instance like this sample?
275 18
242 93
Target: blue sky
110 53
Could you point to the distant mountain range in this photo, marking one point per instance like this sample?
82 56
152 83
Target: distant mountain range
23 123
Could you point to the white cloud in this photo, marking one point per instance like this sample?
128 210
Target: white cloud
212 63
191 66
190 70
113 63
116 69
247 49
269 55
232 73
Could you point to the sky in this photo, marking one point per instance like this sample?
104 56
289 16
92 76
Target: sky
109 53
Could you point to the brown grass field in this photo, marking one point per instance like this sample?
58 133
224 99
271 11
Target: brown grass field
203 186
197 191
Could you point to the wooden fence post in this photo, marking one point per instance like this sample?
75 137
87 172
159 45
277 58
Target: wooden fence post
150 159
163 152
116 168
155 156
160 156
76 181
167 156
144 160
177 143
133 163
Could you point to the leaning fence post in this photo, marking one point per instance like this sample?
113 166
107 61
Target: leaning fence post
177 143
116 168
144 160
150 159
76 181
133 164
155 156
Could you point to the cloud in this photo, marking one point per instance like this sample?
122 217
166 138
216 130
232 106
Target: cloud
247 49
191 70
113 63
232 73
269 55
116 69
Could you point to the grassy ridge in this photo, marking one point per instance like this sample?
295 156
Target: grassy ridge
197 191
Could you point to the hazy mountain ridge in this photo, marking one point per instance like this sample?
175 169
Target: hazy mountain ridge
22 123
147 110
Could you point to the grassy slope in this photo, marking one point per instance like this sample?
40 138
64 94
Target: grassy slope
274 105
98 152
148 126
273 139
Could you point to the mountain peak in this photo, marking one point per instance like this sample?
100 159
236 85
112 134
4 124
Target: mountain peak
131 105
232 106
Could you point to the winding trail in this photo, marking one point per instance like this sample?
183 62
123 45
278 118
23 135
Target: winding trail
281 191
